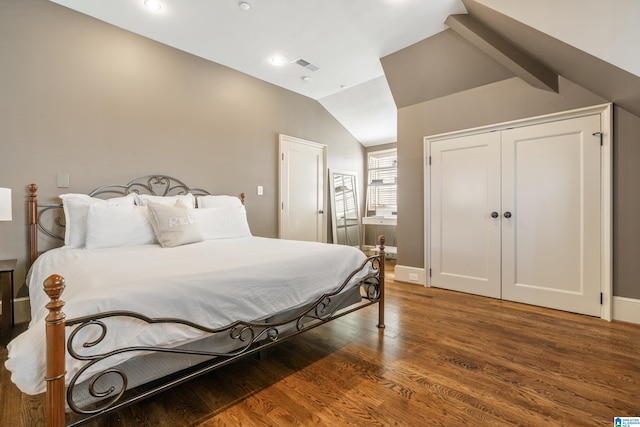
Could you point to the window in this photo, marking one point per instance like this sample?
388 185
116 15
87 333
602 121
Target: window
382 183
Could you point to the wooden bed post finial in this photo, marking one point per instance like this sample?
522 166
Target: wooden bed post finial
55 336
383 257
53 287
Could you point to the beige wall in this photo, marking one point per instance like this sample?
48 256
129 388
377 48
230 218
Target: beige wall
106 106
500 102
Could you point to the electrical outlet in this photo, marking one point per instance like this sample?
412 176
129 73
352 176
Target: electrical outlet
414 277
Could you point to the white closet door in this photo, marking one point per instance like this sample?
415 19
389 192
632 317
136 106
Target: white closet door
465 190
551 242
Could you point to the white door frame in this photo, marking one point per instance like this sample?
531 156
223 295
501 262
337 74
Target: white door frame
283 192
606 120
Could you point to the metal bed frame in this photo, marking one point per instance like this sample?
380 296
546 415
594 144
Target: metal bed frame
249 337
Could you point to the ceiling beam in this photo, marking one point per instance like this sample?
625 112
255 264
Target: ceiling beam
508 55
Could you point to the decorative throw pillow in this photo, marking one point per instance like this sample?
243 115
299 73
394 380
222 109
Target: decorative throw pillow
173 225
76 208
111 226
188 199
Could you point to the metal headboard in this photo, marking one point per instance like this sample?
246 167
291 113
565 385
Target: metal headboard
155 185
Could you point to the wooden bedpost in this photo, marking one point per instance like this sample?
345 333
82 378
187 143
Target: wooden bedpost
33 223
242 197
382 256
55 336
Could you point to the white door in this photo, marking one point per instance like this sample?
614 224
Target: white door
302 190
551 242
532 195
465 190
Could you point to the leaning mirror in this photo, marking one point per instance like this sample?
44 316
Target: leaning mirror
345 208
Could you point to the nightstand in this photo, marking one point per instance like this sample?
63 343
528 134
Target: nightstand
7 267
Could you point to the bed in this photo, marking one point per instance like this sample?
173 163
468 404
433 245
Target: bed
162 283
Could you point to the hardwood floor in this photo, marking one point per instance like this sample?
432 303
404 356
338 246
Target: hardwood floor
444 359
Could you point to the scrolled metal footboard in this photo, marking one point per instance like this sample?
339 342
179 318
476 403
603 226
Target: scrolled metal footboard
248 338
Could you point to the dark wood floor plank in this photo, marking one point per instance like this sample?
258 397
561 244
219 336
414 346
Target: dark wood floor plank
444 359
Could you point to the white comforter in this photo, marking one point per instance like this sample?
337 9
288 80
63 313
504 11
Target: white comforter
211 283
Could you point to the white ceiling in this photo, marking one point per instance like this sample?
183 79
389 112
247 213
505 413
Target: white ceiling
344 38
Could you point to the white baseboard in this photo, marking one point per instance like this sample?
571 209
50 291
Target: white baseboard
21 309
410 275
626 309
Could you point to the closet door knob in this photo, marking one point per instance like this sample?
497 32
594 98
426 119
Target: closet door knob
507 214
495 214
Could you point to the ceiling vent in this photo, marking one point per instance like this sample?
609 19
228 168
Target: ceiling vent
308 65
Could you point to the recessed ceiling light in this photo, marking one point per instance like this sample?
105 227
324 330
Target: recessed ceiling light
153 4
244 5
278 60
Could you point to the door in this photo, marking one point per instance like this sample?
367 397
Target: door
465 189
302 190
516 214
551 242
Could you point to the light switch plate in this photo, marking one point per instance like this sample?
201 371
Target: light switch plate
62 180
260 190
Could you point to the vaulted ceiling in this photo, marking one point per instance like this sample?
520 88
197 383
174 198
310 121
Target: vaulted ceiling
448 62
363 59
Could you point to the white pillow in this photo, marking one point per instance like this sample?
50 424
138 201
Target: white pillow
173 225
186 199
222 223
111 226
76 207
218 201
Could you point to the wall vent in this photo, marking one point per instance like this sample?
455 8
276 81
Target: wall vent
308 65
